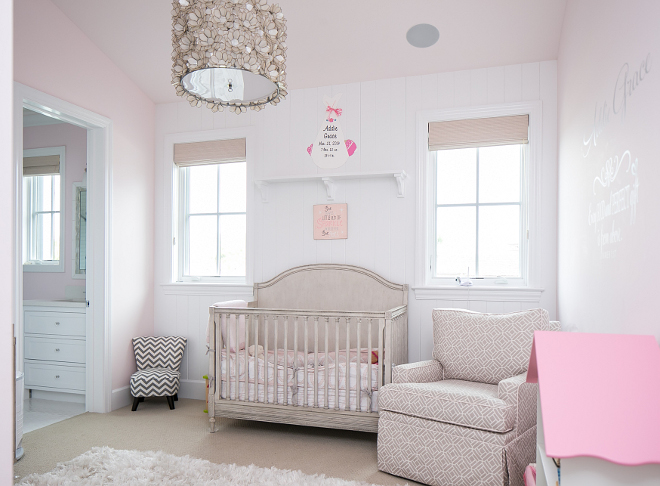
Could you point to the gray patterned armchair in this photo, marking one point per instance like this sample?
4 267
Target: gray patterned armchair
467 417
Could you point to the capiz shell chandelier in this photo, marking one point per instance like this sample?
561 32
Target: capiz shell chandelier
229 53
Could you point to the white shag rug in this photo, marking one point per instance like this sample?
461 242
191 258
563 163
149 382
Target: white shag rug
103 465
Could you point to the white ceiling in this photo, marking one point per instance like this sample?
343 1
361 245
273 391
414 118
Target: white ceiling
340 41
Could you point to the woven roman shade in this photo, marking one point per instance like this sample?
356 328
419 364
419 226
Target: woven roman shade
210 152
41 165
478 132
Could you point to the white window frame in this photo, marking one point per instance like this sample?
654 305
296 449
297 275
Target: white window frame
184 251
176 242
40 266
426 285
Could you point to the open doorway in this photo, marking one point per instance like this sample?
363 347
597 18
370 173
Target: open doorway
62 226
54 215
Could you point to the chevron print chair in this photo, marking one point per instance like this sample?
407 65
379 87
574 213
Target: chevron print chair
158 361
466 417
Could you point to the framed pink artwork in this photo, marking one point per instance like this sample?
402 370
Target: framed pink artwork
330 221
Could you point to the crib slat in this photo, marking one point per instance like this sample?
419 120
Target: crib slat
370 367
276 398
336 363
358 375
247 361
266 380
255 324
316 361
294 394
227 360
236 360
347 387
285 374
306 397
327 362
381 355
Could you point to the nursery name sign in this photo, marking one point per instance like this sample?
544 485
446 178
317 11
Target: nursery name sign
331 149
330 221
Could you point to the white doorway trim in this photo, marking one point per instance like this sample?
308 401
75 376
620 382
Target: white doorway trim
99 183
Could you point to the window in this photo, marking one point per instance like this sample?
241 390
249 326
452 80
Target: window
476 196
478 212
43 206
212 223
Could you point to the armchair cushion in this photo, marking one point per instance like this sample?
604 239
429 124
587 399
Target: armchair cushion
155 382
419 372
485 348
474 405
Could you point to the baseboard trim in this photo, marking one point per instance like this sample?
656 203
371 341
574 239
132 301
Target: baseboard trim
121 397
57 396
195 389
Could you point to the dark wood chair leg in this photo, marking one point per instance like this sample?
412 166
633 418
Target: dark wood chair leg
136 401
176 397
141 399
170 402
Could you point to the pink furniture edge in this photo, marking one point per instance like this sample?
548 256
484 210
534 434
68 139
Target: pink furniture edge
599 395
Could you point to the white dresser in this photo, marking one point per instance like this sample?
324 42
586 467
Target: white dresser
54 345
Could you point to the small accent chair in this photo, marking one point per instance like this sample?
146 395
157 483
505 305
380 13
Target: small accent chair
466 417
158 361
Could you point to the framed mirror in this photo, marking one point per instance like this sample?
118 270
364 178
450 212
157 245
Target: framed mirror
79 230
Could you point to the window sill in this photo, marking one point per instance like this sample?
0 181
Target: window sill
43 268
207 288
490 293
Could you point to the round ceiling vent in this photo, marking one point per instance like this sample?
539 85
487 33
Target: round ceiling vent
422 35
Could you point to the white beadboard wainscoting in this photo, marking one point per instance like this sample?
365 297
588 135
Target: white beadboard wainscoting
380 117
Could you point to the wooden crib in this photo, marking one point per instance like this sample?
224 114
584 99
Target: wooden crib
309 332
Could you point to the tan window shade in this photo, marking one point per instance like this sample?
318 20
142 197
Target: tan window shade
478 132
42 165
211 152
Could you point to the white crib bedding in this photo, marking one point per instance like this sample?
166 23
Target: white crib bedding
298 399
295 372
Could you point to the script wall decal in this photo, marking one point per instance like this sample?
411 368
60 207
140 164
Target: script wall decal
614 191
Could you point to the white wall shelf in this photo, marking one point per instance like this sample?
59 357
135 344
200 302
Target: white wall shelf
329 180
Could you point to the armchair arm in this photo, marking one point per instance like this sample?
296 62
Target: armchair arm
419 372
516 391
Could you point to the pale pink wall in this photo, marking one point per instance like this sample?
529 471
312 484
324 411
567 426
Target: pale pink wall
6 247
50 285
611 287
52 55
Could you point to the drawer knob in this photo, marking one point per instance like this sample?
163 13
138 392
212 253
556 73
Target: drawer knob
57 349
57 323
57 376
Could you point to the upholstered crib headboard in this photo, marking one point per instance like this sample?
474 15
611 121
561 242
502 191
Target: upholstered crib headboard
330 287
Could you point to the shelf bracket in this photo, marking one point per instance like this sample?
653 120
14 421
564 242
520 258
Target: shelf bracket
263 189
329 187
400 183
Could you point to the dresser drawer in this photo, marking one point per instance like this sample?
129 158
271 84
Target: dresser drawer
54 376
55 349
56 323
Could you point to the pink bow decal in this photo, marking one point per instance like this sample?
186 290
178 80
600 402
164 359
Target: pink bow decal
330 109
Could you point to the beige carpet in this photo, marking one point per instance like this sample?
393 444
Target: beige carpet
341 454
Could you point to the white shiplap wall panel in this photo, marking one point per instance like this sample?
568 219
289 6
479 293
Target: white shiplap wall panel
462 88
496 85
530 81
512 83
445 90
380 117
478 87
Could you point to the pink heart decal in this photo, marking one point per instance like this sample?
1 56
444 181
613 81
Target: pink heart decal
350 147
309 149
